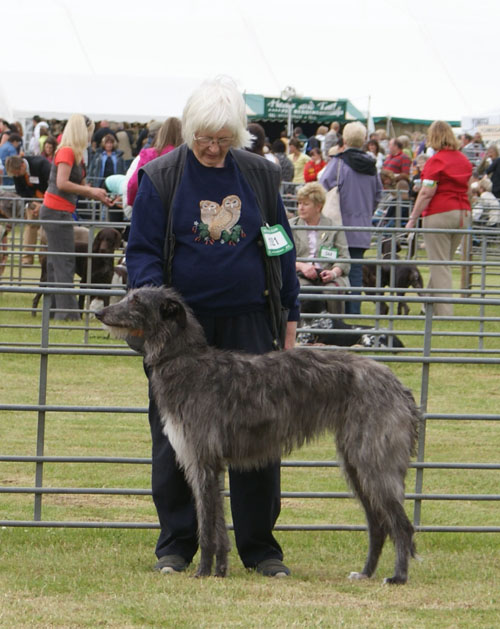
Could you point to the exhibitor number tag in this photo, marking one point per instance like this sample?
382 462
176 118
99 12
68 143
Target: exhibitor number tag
276 240
330 253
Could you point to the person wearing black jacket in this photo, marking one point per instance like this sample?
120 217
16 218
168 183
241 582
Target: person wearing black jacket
31 178
493 171
30 174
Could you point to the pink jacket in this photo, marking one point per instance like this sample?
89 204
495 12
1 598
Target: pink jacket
145 156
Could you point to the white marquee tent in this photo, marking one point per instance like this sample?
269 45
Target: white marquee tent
133 99
123 59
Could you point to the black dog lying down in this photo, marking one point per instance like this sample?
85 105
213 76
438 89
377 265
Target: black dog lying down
342 334
336 332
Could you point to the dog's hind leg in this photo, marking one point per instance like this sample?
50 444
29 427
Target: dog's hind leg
403 306
376 528
43 279
386 496
402 534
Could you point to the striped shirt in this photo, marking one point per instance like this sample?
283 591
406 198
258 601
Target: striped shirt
399 163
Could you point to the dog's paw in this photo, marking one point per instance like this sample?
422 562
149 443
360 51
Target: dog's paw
200 574
394 581
358 576
221 566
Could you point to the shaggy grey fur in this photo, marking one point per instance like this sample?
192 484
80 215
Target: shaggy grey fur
221 407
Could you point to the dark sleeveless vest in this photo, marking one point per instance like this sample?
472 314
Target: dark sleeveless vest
263 177
76 176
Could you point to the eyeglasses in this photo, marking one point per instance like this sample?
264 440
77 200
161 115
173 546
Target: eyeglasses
207 141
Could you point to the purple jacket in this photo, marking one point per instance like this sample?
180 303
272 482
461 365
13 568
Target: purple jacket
359 194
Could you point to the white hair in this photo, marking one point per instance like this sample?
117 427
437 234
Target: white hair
215 105
485 184
354 134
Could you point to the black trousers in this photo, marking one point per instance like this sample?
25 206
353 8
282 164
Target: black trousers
355 279
255 494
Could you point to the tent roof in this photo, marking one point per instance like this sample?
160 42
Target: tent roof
101 97
420 121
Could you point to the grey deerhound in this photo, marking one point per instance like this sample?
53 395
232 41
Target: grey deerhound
221 407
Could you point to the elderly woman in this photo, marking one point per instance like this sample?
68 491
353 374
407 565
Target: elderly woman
444 203
489 204
316 243
198 224
360 190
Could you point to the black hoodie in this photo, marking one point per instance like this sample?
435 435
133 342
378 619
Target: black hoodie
359 161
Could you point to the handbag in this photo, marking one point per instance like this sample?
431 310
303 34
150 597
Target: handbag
331 209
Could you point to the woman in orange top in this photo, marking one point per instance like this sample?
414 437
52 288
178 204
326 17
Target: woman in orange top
66 184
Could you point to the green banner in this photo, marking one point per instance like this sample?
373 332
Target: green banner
303 109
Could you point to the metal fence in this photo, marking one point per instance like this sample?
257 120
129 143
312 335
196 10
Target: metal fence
481 291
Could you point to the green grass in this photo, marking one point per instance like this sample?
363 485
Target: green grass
102 577
54 578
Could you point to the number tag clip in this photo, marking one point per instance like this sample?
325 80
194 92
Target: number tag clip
276 240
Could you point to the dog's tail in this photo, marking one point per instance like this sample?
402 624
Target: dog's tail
416 420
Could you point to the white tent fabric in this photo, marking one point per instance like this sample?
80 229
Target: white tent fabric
97 47
117 98
122 59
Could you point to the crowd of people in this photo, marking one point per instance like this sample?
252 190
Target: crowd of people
369 171
115 147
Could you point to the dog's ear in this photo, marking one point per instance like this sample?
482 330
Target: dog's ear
172 309
118 239
97 242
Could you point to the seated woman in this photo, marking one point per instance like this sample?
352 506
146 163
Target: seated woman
487 210
331 245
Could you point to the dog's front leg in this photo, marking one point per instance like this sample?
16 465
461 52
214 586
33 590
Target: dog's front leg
222 545
204 486
403 307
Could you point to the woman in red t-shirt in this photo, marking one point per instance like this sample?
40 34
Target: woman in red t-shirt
66 184
444 203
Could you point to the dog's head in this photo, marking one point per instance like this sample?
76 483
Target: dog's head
145 312
387 246
107 240
415 278
8 201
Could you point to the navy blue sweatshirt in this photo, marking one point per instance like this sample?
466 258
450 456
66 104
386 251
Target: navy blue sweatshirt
217 263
